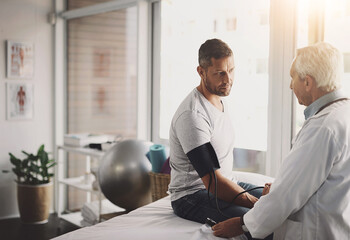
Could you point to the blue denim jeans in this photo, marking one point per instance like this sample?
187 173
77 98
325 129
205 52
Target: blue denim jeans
198 207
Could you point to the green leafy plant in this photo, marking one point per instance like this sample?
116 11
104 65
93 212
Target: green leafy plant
34 169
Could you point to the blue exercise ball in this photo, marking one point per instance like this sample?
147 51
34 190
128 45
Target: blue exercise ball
123 174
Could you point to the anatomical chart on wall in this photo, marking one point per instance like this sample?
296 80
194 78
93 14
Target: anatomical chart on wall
20 101
20 59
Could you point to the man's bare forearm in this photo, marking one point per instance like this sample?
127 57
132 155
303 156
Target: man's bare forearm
228 190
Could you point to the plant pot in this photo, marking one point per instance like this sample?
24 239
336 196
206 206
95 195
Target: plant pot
34 202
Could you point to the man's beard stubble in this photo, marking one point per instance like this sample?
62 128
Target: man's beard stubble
217 91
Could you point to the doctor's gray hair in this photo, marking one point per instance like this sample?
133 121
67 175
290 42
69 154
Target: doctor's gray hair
212 48
322 62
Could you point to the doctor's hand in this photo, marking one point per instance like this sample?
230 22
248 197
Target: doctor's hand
266 189
229 228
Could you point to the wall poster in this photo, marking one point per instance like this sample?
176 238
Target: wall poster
20 101
20 59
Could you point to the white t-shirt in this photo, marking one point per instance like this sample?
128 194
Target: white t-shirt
195 123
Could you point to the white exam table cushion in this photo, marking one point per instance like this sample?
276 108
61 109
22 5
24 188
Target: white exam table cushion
155 221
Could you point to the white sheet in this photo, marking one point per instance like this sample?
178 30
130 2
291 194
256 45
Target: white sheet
155 221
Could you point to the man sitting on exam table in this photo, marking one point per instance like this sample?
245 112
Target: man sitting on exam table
310 197
201 145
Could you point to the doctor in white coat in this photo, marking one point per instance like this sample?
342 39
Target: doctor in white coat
310 197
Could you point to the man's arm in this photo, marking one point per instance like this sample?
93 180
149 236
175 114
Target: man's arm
205 162
193 133
227 190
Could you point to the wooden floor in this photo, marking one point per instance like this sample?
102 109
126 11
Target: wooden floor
13 229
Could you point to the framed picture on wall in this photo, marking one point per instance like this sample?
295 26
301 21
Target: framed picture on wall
20 101
20 59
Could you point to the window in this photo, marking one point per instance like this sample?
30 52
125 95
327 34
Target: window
302 41
336 32
102 73
239 24
102 79
80 3
335 18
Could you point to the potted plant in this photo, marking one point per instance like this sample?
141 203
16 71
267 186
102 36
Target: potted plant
34 186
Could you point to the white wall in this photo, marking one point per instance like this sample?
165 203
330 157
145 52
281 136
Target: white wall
25 20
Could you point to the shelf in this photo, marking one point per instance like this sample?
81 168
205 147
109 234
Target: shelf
85 151
109 210
78 182
74 218
75 182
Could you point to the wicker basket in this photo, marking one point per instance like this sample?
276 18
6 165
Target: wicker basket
159 185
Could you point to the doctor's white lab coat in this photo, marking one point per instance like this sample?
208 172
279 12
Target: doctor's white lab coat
310 198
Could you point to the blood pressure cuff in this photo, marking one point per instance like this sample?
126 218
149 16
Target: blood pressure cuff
204 159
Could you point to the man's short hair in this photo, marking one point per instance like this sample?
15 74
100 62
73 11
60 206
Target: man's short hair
212 48
321 61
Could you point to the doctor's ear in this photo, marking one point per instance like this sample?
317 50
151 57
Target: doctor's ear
309 82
